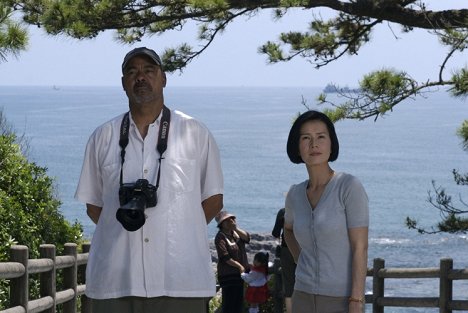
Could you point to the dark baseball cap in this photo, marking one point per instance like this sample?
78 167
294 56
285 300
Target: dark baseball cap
141 51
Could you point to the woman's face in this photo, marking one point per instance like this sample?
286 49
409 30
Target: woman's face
229 224
314 143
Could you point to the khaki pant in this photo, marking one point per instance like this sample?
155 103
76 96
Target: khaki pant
303 302
150 305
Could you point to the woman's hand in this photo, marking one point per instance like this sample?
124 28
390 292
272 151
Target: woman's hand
236 264
242 234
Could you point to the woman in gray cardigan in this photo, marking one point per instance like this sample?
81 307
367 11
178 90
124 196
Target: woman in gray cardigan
326 223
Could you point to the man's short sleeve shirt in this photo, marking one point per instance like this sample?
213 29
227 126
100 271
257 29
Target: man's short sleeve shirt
169 255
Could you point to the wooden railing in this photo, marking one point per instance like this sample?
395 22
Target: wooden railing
73 265
20 267
377 301
445 273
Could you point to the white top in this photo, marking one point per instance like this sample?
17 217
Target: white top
169 255
255 278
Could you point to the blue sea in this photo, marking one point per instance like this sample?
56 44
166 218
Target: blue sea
395 157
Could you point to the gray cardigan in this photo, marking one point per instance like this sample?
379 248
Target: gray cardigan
324 266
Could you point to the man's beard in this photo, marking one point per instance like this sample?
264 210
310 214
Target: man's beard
142 93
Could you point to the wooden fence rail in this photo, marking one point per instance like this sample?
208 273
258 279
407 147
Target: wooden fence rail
445 273
73 265
20 267
377 301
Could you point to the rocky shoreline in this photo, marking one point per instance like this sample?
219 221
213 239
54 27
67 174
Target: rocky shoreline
258 243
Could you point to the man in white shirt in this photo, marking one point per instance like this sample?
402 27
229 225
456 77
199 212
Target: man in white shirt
150 250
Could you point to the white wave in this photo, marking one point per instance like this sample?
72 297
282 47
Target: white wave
389 241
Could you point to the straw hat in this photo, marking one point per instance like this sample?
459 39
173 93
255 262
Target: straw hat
221 216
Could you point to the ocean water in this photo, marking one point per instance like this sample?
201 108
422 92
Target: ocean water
395 157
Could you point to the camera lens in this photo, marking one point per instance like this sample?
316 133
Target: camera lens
134 199
132 215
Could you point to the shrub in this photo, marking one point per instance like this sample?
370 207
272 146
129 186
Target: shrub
29 209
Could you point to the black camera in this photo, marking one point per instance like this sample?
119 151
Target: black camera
134 199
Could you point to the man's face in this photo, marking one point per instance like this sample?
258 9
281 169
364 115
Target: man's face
143 81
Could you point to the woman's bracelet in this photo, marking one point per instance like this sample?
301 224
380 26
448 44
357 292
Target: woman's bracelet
360 300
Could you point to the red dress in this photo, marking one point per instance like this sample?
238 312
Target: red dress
257 294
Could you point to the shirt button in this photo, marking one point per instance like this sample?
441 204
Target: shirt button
146 240
145 171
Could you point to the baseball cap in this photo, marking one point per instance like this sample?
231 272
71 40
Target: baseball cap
141 51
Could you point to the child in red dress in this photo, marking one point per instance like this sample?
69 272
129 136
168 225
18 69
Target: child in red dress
257 278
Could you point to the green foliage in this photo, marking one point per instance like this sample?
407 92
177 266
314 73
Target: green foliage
324 42
453 38
462 132
13 37
453 224
215 304
460 83
379 92
336 114
384 82
175 58
29 211
208 5
273 50
453 218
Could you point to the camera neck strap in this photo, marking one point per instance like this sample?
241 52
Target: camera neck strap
162 139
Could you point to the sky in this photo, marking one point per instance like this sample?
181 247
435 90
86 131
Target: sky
232 59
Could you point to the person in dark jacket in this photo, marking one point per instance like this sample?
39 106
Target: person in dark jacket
288 266
232 261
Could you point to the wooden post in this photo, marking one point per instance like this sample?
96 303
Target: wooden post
19 287
378 286
85 301
70 278
48 279
445 286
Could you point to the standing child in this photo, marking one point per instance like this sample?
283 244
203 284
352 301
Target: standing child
257 278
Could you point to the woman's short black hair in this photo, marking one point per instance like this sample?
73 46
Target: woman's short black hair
293 139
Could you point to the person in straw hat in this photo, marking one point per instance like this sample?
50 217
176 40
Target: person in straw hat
232 261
